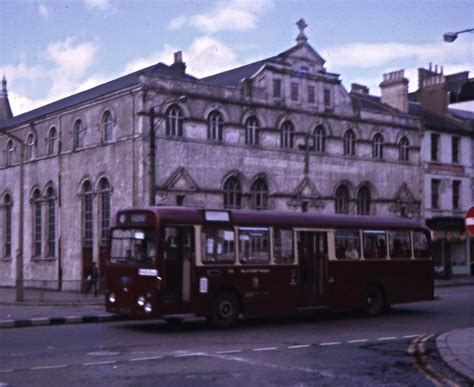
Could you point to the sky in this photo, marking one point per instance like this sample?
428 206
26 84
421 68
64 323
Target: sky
50 49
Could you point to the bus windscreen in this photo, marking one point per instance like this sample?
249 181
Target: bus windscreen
132 246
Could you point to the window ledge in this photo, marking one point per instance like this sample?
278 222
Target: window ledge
43 259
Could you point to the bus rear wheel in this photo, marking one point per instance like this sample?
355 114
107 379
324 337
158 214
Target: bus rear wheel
224 310
374 301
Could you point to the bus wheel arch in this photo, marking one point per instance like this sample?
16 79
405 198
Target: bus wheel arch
226 305
374 299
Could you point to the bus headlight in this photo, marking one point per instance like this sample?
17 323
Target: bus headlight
147 308
112 298
141 301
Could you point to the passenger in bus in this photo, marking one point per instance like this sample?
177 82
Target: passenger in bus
351 252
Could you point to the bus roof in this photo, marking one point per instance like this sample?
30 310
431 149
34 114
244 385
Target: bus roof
188 215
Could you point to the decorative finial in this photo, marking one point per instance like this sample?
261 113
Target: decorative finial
4 86
301 38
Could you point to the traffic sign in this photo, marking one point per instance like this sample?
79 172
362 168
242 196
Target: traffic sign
469 221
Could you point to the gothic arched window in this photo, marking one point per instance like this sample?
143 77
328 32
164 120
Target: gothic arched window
79 134
107 126
104 203
51 222
174 121
342 200
52 141
87 214
215 124
7 226
319 136
363 201
377 147
403 150
259 191
349 143
30 147
232 193
37 224
287 135
251 131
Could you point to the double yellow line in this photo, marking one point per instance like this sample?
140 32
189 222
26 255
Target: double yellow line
417 351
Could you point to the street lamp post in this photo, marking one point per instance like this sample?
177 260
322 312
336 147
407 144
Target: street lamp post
19 250
152 142
452 36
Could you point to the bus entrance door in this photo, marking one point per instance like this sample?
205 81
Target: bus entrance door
179 248
312 255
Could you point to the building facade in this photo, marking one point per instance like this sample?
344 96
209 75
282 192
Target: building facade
281 133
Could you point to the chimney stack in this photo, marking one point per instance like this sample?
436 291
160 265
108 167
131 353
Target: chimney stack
394 89
433 95
358 88
178 63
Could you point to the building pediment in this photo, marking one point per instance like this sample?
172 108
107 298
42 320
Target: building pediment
181 180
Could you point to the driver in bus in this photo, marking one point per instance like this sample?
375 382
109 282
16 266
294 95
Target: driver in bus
351 252
140 251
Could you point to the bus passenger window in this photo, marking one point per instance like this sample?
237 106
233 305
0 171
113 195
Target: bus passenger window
347 244
421 246
218 245
375 246
254 245
283 246
400 245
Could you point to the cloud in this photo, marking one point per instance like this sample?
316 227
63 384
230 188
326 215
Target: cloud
102 5
206 55
234 15
71 62
366 55
43 10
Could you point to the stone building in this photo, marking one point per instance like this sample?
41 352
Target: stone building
281 133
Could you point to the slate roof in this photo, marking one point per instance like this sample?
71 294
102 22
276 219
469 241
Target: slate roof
234 76
98 91
371 102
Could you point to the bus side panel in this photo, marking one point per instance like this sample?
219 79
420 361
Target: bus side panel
261 289
401 281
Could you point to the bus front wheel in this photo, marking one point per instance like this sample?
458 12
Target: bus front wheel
374 301
224 309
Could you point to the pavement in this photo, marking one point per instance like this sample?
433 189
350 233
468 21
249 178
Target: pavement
46 307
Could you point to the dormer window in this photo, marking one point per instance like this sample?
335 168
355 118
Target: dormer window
294 91
311 94
327 98
277 88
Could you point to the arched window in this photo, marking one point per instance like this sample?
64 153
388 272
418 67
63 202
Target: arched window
363 201
342 200
52 141
108 126
10 152
287 135
377 147
215 123
30 147
251 131
403 150
37 224
104 202
349 143
319 137
232 193
174 121
79 134
87 214
51 222
7 224
259 191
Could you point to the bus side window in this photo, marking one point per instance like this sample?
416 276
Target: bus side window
400 245
283 246
421 246
254 246
375 246
218 245
347 244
